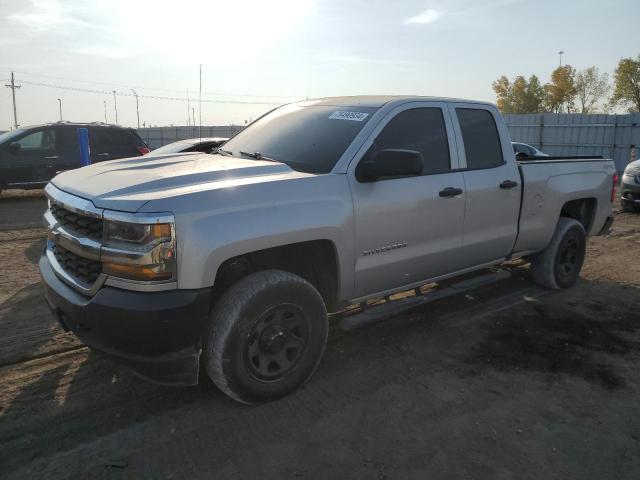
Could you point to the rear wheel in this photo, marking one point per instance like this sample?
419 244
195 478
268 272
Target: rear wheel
265 336
558 265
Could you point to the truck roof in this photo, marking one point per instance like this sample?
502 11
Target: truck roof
72 124
378 100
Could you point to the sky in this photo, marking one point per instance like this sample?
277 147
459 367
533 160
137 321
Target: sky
257 54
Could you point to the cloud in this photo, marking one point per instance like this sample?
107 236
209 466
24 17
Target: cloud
428 16
45 14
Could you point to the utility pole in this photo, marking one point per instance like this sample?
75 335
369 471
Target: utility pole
200 105
188 109
193 114
60 106
137 109
105 111
13 87
115 105
560 53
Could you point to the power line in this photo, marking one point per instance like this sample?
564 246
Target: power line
151 97
153 88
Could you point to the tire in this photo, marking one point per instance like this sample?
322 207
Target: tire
265 336
627 207
558 266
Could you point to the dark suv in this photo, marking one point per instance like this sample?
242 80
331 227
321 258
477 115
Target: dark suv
31 156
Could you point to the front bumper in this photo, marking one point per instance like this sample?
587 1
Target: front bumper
156 334
630 189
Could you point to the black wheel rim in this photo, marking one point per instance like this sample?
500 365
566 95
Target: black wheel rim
569 257
276 342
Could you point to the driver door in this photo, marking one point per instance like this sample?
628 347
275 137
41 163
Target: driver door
409 229
31 164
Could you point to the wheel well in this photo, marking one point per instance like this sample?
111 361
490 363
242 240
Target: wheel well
316 261
581 210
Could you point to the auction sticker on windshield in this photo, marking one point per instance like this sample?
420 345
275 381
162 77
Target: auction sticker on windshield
353 116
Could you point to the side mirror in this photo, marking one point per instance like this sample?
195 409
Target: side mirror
390 163
521 155
15 147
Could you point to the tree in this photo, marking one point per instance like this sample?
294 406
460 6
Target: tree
534 96
591 87
519 96
502 87
627 84
560 92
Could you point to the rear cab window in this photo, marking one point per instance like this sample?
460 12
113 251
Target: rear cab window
481 139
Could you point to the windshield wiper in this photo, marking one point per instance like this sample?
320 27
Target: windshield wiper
259 156
226 153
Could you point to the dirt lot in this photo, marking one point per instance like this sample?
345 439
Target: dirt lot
21 208
509 382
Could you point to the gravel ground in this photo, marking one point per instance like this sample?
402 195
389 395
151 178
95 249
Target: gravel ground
508 382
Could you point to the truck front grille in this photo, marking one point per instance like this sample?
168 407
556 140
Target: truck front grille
82 224
82 269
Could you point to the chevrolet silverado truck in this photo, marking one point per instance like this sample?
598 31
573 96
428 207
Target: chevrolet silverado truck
232 261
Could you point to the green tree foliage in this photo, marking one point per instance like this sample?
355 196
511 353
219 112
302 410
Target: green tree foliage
519 96
627 84
560 92
591 88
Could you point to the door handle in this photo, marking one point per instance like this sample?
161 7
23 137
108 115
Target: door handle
51 157
450 192
103 154
508 184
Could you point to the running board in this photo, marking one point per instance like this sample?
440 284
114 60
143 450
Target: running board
377 313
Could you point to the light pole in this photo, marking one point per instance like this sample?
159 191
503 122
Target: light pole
105 111
60 107
200 106
115 105
560 53
137 109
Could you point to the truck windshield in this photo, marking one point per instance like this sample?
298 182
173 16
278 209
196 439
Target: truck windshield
309 139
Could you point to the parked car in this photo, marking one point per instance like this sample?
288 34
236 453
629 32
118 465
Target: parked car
630 187
31 156
524 150
204 145
175 263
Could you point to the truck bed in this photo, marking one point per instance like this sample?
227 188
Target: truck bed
549 184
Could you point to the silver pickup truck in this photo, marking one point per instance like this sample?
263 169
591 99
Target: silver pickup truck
232 261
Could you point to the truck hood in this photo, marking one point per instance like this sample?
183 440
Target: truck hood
127 184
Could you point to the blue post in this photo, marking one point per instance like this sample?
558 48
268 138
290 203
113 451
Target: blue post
83 143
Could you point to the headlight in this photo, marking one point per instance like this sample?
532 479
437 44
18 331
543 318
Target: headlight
139 251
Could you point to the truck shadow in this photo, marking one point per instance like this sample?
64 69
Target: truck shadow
577 333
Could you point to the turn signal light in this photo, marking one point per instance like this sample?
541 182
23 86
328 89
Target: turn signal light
137 272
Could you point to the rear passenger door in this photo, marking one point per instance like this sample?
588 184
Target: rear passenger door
492 183
408 229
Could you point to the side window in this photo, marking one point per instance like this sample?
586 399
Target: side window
120 137
68 140
41 140
99 140
481 140
420 129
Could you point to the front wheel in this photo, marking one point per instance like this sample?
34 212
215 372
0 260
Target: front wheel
265 336
558 265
